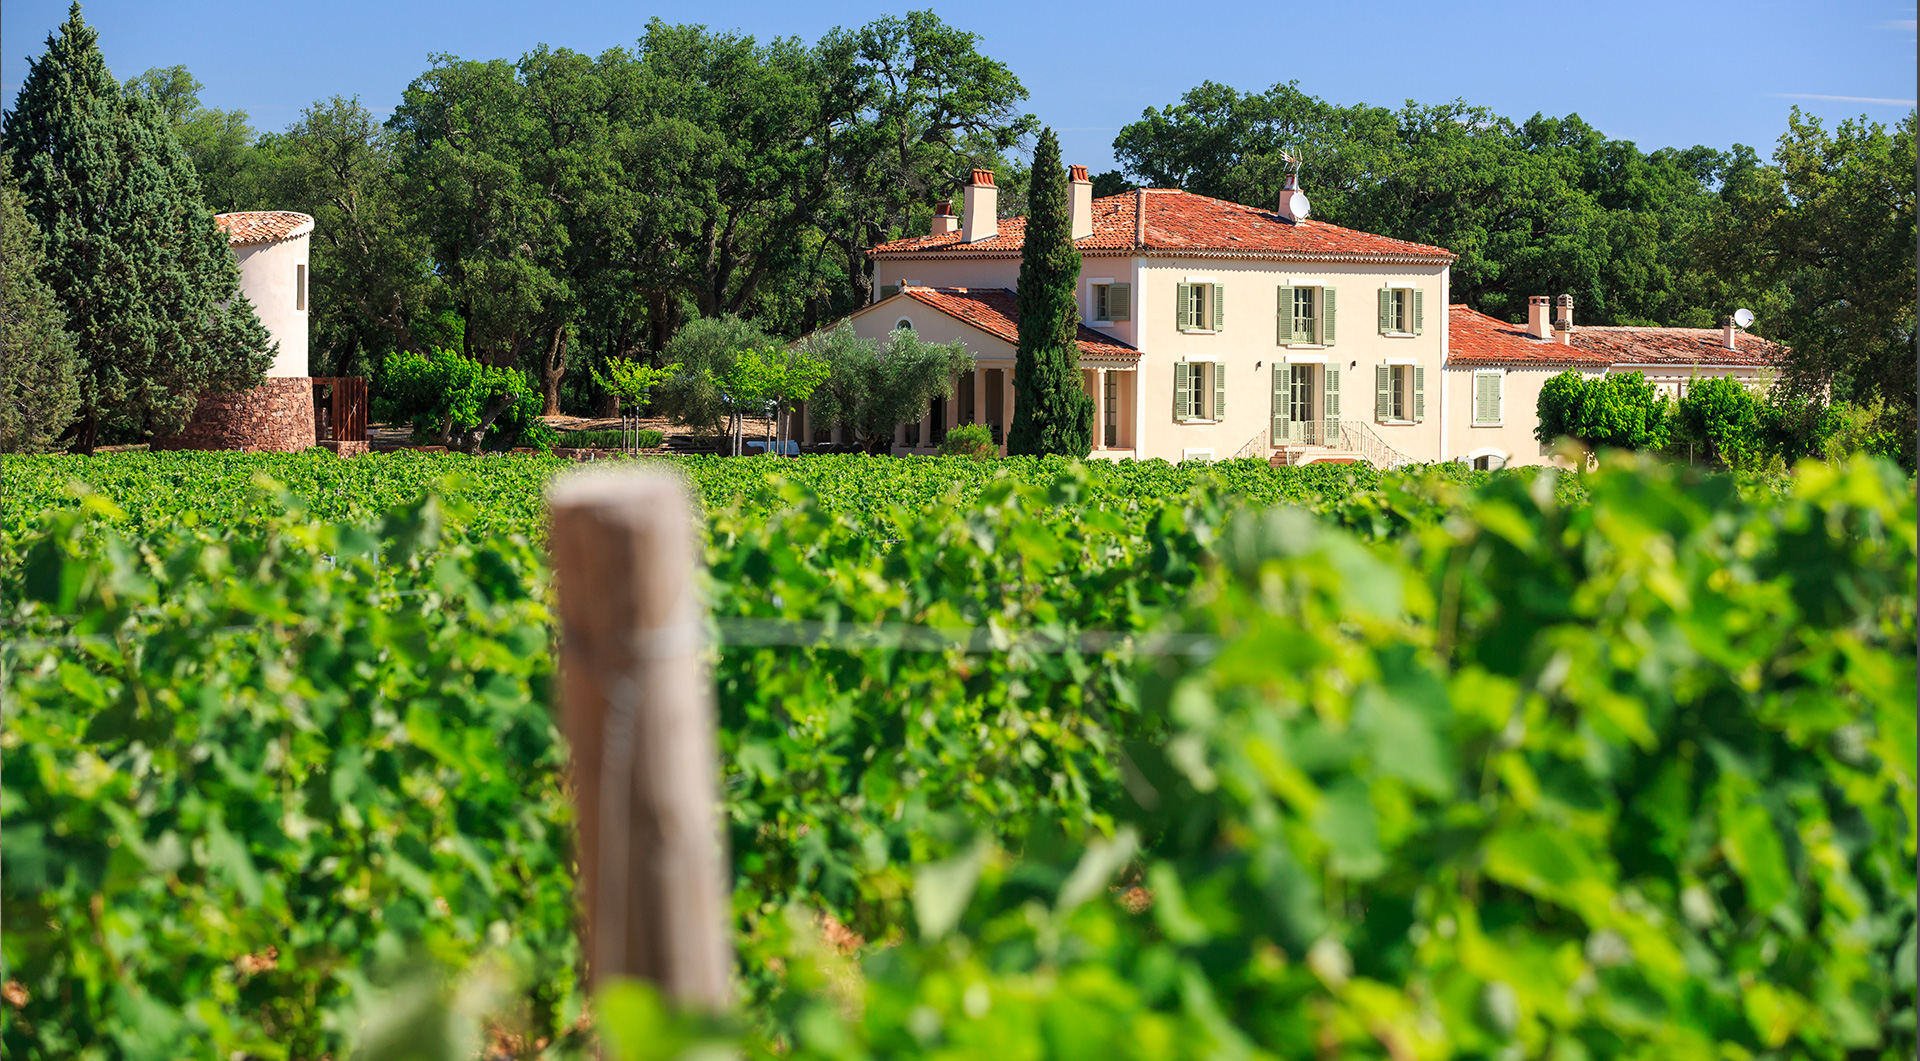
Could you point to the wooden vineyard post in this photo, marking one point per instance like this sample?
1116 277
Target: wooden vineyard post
638 711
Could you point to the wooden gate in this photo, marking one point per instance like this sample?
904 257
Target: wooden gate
340 408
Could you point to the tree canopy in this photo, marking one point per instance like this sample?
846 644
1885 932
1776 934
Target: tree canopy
39 391
1828 234
553 212
148 285
1545 205
1619 410
558 210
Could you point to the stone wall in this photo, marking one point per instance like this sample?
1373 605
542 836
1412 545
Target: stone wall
276 416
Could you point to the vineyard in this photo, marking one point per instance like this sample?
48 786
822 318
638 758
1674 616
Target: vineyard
1023 758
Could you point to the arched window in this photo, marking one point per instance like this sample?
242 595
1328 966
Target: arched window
903 323
1487 460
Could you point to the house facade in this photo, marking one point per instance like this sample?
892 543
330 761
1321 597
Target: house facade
1212 330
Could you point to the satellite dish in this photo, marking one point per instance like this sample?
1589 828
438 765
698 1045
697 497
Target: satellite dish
1743 317
1298 207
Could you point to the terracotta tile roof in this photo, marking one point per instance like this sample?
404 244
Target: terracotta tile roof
1473 338
994 310
1676 346
1168 221
262 226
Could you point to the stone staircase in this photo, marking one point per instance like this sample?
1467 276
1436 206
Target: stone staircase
1327 442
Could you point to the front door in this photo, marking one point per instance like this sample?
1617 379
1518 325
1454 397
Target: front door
1300 411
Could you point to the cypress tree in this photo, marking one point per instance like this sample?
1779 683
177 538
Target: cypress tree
150 291
39 393
1052 413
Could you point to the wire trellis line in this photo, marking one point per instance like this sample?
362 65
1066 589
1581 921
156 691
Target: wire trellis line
748 632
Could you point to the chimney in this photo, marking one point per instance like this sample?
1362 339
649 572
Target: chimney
1728 330
1080 201
980 210
1293 202
1565 304
943 219
1538 325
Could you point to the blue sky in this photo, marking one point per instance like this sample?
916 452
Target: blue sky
1661 74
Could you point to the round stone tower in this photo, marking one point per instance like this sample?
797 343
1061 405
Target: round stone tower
271 247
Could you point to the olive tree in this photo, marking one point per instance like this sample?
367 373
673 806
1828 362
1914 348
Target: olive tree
870 387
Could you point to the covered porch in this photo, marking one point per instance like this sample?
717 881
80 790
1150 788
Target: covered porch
987 321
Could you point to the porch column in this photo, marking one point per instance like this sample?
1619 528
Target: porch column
1100 409
979 395
926 428
806 424
953 406
1136 437
1006 407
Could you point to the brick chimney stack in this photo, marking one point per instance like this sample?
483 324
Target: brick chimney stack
1080 201
1565 305
1538 325
980 209
943 219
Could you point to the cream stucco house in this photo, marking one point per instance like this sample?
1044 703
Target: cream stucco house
1212 330
1494 371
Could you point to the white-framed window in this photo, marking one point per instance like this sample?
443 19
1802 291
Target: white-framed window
1200 307
1400 393
1199 391
1110 301
1489 386
1402 311
904 322
1306 402
1196 454
300 287
886 291
1304 315
1487 460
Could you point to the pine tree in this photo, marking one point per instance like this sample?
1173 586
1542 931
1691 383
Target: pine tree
150 290
39 394
1052 413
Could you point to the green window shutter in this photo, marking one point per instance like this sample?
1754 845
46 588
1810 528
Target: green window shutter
1119 302
1182 390
1326 315
1419 310
1219 306
1383 399
1386 310
1419 393
1283 312
1282 403
887 291
1183 316
1486 398
1332 410
1219 392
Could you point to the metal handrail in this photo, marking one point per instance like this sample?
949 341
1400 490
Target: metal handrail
1353 437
